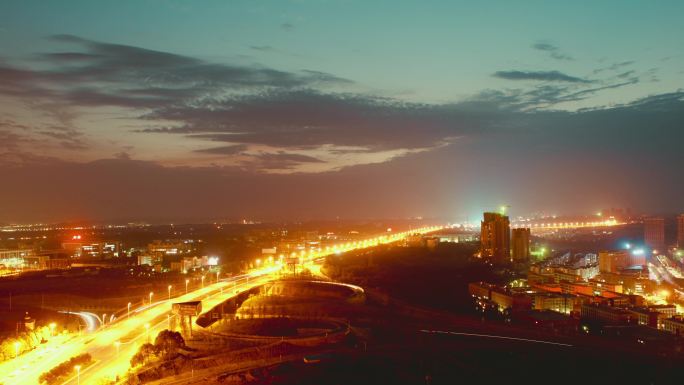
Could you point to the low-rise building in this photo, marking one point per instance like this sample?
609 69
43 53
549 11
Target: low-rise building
537 277
145 259
561 303
674 325
645 316
547 319
507 300
607 314
601 286
668 311
480 289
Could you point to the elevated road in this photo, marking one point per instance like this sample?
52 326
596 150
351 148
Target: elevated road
113 345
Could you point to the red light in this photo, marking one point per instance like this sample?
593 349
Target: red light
76 237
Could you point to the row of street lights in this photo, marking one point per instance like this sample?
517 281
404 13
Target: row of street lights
168 288
117 344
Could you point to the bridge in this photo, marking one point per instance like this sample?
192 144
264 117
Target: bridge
112 345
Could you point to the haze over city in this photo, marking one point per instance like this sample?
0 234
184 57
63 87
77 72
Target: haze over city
314 192
304 110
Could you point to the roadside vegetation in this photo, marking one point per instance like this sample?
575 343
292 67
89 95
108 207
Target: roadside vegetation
23 342
63 371
166 346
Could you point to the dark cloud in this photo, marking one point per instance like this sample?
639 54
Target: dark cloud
245 110
224 150
68 138
70 56
614 66
623 155
552 50
277 161
309 119
547 76
625 74
104 74
545 96
13 125
99 74
287 26
263 48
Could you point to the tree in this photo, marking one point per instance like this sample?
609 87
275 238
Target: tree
146 351
165 346
168 343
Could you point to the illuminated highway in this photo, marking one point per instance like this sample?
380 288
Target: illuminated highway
568 225
113 345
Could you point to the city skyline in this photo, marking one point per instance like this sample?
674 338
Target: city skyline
341 192
310 110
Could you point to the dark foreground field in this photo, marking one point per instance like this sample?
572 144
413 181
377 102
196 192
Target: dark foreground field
436 279
472 361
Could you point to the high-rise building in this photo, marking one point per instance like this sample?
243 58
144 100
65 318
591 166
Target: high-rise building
520 244
654 233
495 237
680 231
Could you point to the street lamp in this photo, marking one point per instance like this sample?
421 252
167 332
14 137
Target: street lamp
202 282
217 276
186 285
169 288
78 374
128 314
117 344
151 293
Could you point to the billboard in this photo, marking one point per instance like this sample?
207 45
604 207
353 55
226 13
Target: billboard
193 308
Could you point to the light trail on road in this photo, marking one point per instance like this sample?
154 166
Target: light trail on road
90 319
494 336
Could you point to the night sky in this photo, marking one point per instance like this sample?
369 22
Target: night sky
196 110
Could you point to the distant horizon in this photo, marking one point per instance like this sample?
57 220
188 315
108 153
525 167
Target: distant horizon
279 110
291 221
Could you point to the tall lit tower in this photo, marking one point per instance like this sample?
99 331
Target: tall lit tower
495 237
680 231
520 244
654 233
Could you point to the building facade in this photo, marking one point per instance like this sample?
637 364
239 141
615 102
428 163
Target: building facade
674 325
654 233
614 261
680 231
520 244
495 237
607 314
